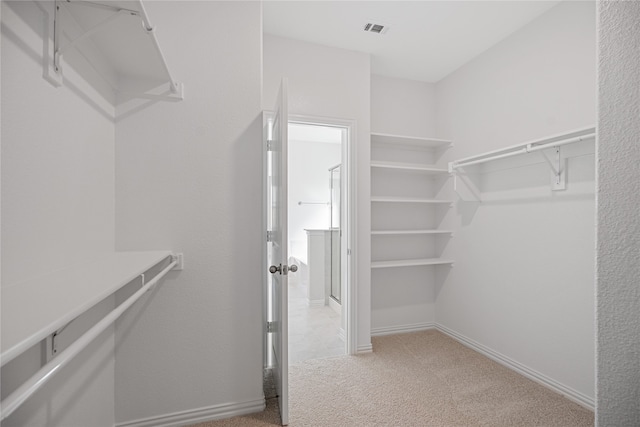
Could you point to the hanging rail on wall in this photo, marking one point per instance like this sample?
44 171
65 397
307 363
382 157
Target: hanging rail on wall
176 88
29 387
552 142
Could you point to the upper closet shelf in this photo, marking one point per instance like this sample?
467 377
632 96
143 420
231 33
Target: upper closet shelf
411 262
555 162
119 42
389 199
34 309
409 232
383 138
430 169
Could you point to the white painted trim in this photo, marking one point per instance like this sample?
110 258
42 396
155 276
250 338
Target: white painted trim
402 329
192 416
351 212
315 302
568 392
368 348
335 305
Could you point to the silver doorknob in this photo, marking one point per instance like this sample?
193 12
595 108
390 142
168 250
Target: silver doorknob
273 269
293 268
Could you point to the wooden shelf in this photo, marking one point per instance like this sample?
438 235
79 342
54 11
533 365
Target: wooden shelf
36 308
380 199
408 232
412 167
383 138
410 262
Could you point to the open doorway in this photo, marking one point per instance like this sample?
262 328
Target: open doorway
317 202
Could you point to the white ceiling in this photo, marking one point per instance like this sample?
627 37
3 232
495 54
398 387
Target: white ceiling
425 40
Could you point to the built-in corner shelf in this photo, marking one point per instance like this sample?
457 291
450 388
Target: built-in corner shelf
390 199
411 262
410 167
118 40
34 309
408 232
392 158
399 140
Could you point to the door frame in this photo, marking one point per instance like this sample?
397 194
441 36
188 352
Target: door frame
348 257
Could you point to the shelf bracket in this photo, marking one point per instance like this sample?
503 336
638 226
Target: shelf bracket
472 192
53 71
51 343
558 170
60 49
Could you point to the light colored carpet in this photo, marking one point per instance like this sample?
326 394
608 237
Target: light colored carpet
417 379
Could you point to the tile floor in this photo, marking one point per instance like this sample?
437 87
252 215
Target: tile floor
313 331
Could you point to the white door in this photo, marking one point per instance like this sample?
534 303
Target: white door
277 253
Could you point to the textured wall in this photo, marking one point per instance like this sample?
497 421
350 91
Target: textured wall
618 268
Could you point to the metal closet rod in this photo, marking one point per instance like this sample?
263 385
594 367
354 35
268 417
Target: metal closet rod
29 387
517 150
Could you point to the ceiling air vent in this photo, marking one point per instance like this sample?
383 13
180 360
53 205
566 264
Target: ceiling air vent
375 28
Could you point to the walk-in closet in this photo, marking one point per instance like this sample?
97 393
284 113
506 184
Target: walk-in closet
482 200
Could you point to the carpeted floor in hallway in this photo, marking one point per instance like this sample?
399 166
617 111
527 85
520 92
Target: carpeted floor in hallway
417 379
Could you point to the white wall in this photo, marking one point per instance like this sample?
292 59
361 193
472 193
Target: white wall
330 82
522 285
189 178
618 298
403 107
402 299
57 209
309 162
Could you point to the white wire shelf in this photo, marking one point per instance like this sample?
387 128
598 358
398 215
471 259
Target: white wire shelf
411 262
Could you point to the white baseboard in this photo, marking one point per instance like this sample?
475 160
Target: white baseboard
367 348
335 305
401 329
536 376
199 415
316 302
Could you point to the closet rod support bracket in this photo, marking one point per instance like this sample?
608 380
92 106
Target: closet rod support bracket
558 170
179 259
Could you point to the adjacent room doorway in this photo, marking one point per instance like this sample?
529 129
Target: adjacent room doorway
317 232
